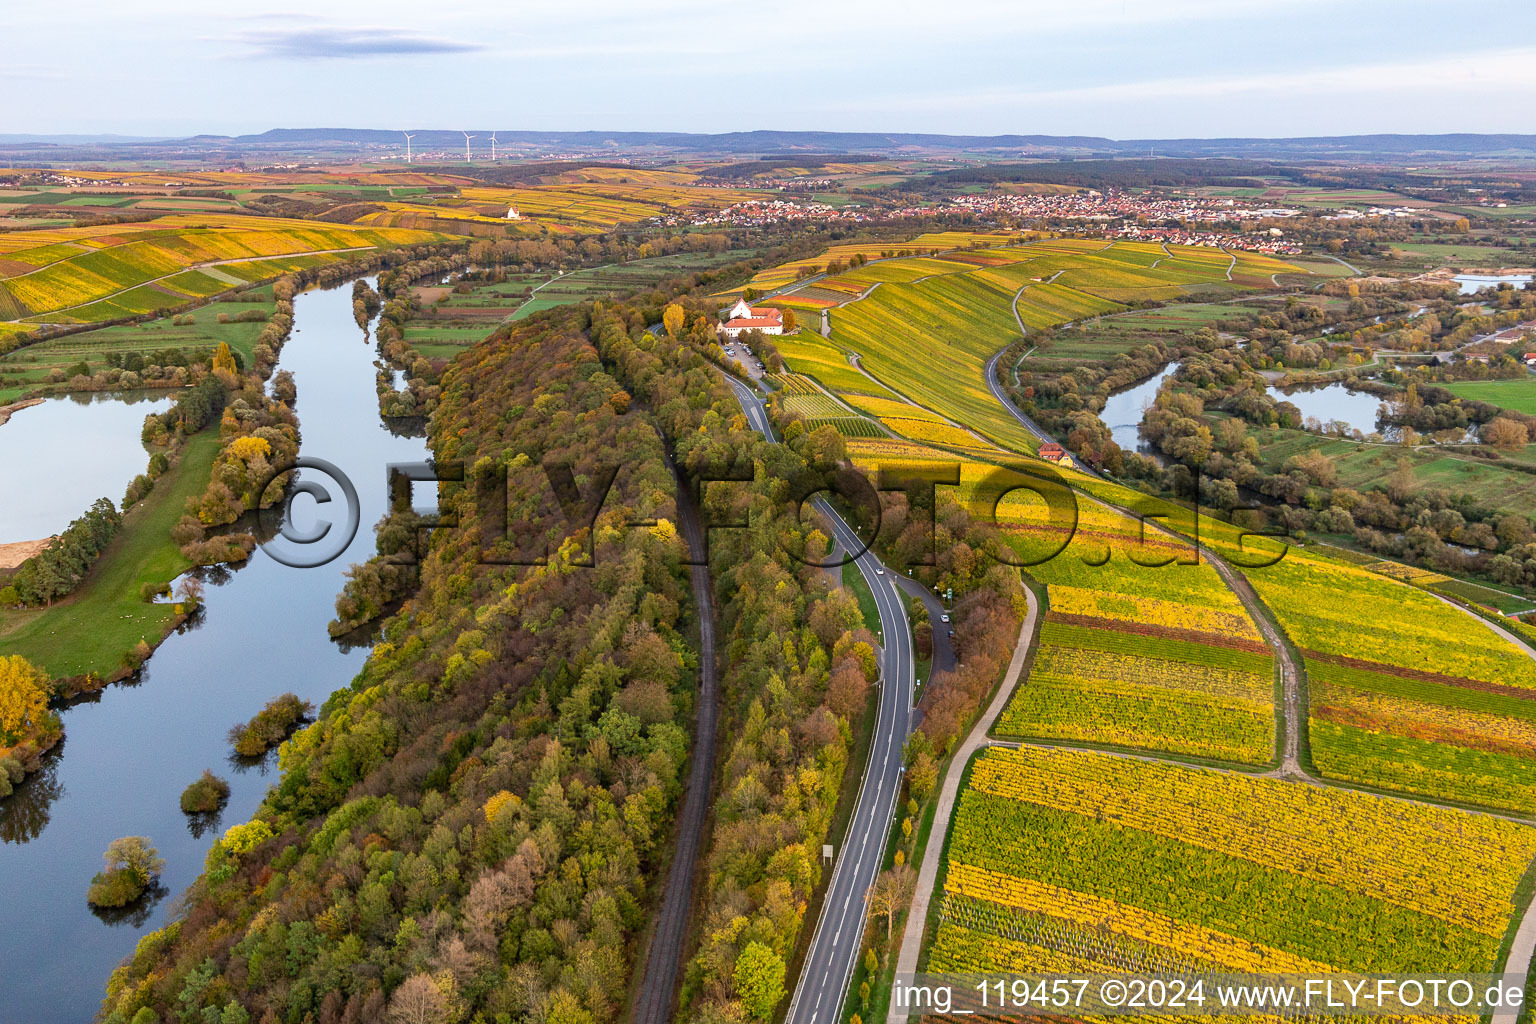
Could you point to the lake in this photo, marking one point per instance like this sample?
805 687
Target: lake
1122 411
57 458
1330 402
1470 283
130 751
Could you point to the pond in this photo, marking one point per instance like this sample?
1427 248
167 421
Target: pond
57 458
130 751
1329 402
1123 410
1469 283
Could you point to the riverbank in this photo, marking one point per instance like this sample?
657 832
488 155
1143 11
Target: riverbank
90 631
25 403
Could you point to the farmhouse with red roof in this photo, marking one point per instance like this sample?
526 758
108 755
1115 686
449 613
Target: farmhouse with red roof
1055 453
742 317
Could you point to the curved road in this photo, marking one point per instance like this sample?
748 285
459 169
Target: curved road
653 1001
834 949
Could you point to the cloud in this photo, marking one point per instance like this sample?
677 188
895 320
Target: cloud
1492 74
326 42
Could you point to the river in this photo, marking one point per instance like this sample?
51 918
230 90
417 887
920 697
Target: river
58 457
128 753
1123 409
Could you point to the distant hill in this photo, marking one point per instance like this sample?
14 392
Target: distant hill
363 142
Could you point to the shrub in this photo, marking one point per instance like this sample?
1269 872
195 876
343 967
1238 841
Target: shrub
271 725
206 795
132 864
11 773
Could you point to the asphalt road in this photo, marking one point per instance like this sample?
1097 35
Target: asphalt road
835 944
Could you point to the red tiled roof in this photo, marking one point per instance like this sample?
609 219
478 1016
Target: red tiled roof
748 323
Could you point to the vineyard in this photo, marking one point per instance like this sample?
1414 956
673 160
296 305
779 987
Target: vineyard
1145 650
1070 861
574 203
1406 691
925 316
1141 648
84 275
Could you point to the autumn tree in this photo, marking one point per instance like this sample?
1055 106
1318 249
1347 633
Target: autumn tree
835 615
891 891
672 319
759 978
420 999
1504 432
23 697
224 359
132 864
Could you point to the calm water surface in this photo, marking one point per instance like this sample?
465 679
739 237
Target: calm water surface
57 458
1123 409
128 755
1470 283
1330 402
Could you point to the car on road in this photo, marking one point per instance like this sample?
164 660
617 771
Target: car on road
943 618
879 572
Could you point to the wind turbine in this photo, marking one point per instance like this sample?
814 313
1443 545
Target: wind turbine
408 138
493 147
467 137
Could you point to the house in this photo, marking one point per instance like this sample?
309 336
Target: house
512 213
742 317
1530 359
1057 455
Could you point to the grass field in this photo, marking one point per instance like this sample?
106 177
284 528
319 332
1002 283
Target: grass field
92 629
26 368
1519 395
1499 484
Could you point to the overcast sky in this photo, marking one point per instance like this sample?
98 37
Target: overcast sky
1116 68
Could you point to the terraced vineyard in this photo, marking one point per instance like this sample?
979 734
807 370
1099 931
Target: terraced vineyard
1406 692
85 275
926 324
1068 861
1140 649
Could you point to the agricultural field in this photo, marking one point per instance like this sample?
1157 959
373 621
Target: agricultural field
83 275
801 395
926 324
1069 862
25 368
1108 336
1405 691
1141 647
572 203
